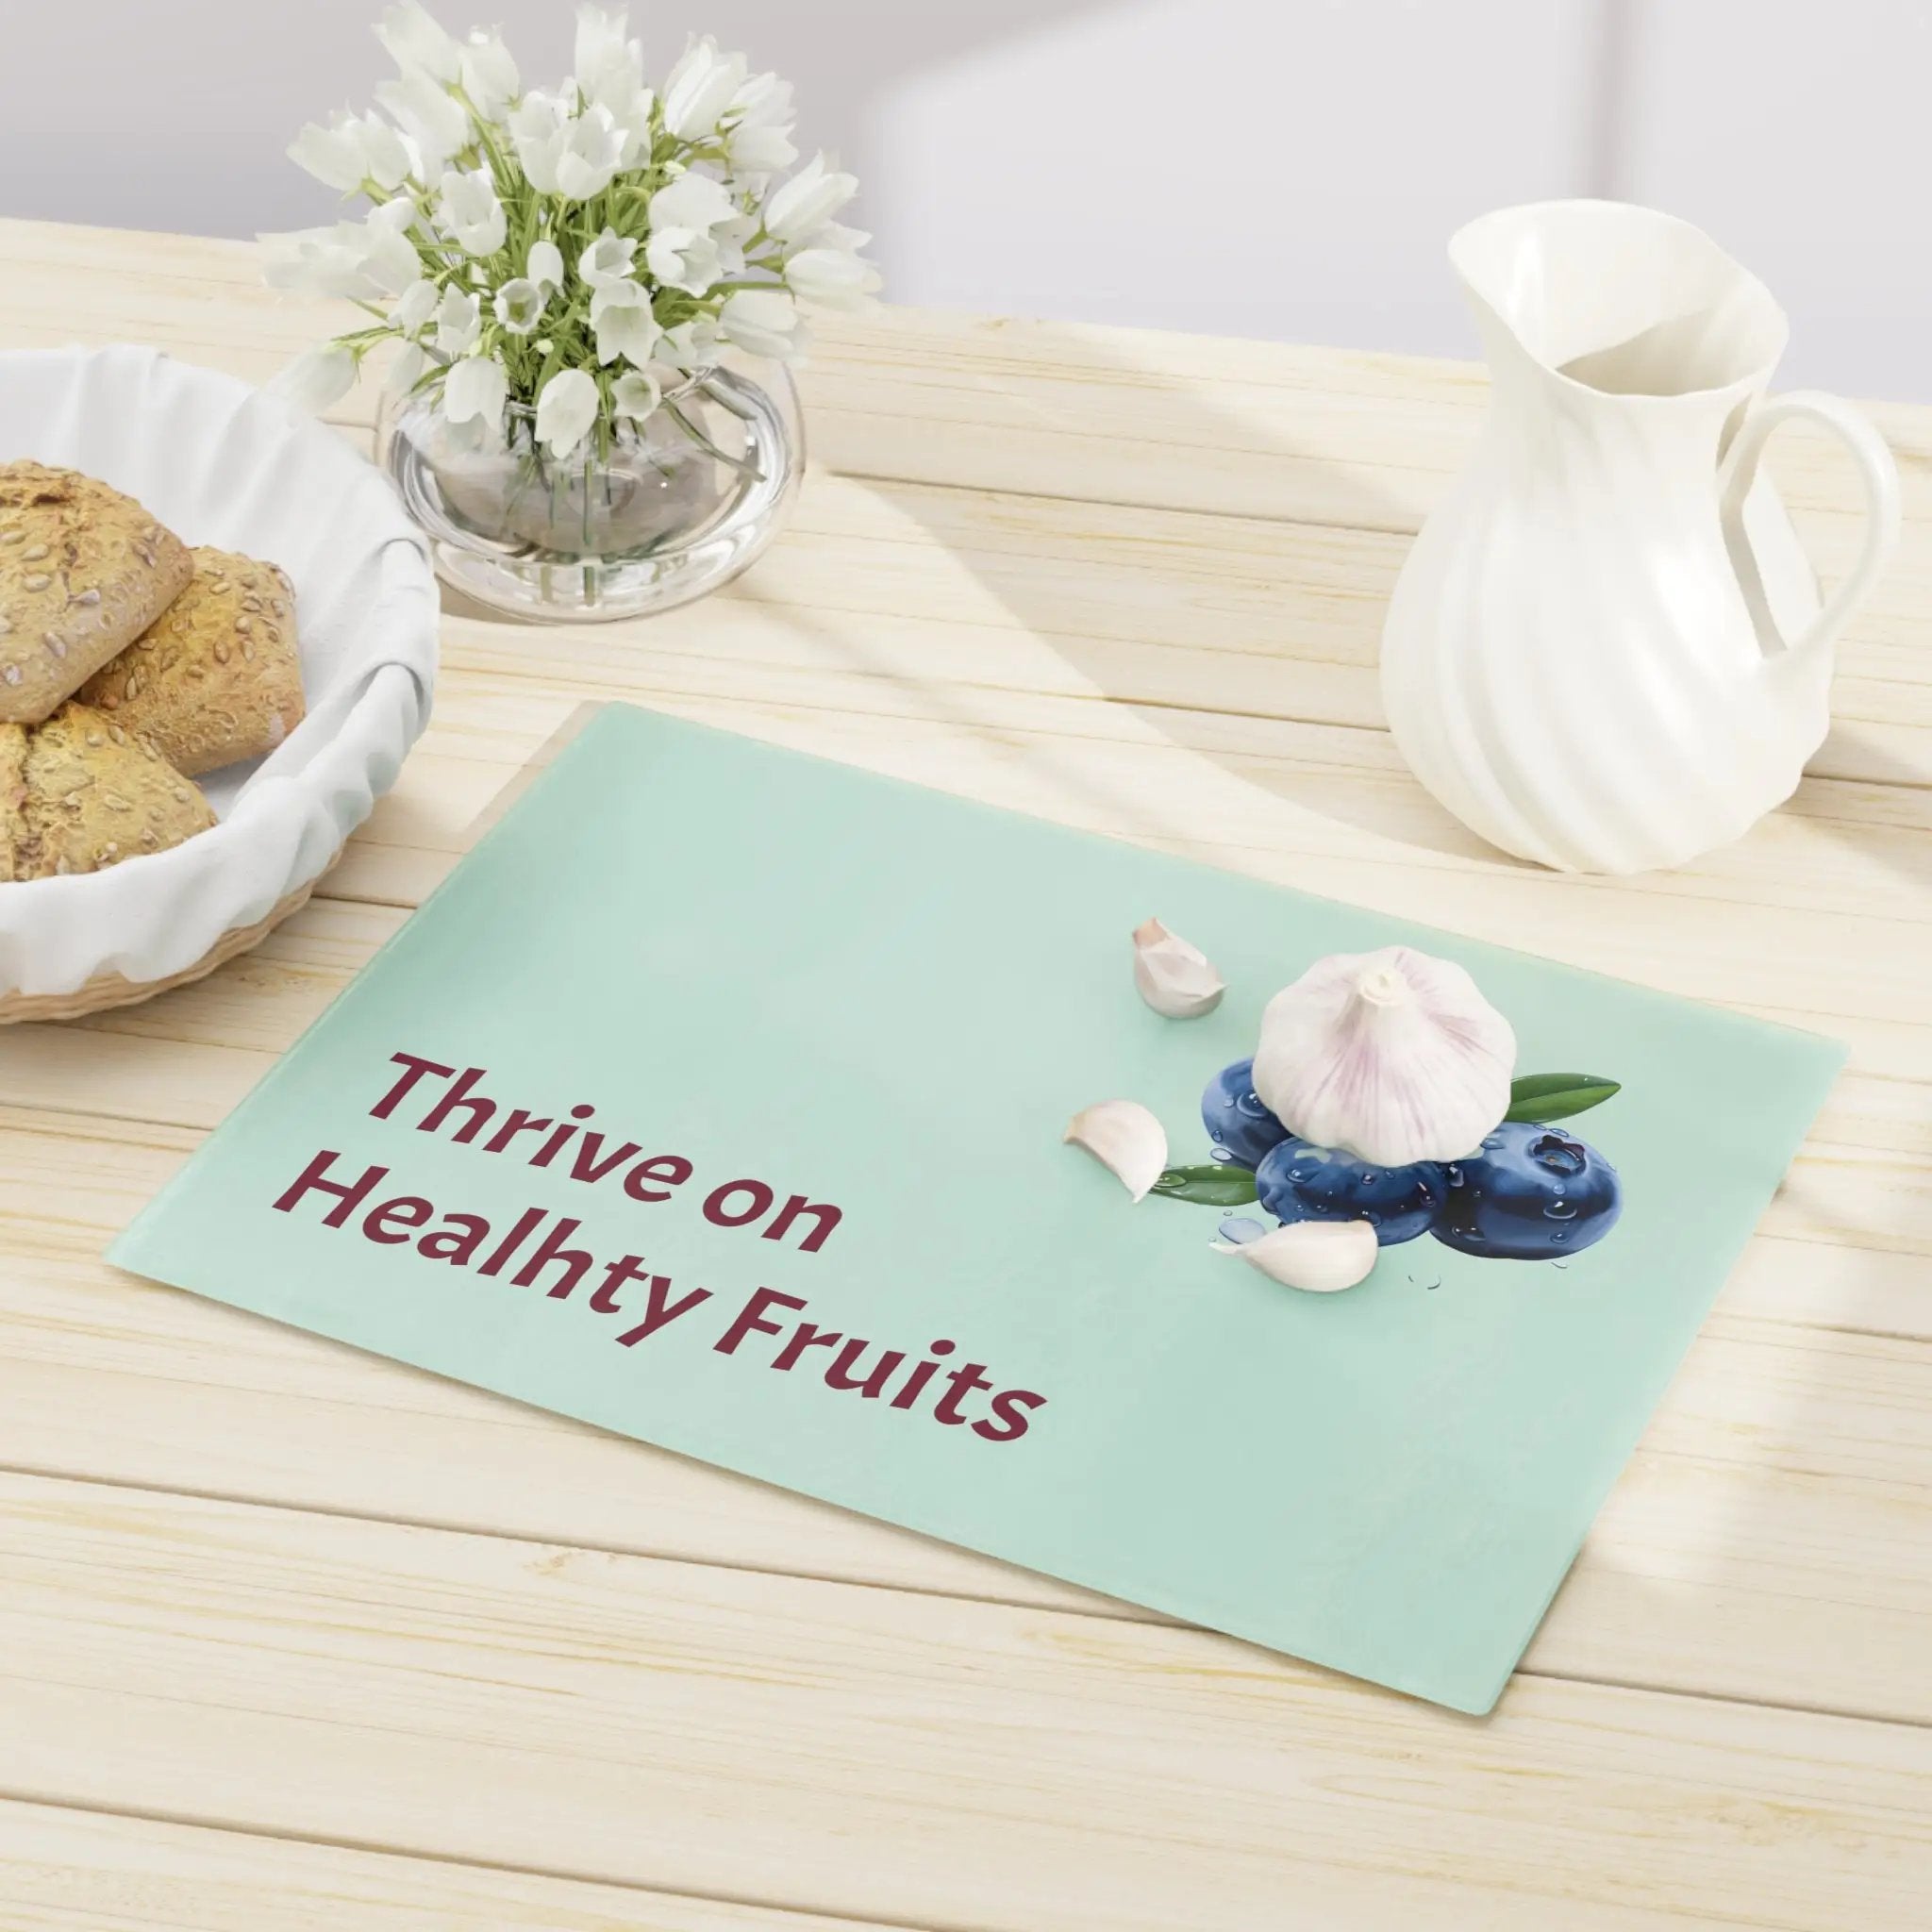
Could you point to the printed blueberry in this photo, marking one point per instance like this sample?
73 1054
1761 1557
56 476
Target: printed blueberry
1299 1181
1529 1194
1241 1127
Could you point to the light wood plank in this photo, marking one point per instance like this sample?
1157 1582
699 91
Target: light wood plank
210 292
1352 438
1061 561
952 593
1770 1539
66 1871
1253 587
955 1763
1219 780
1222 782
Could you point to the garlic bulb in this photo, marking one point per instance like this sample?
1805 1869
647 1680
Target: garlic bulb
1318 1255
1174 978
1392 1056
1126 1139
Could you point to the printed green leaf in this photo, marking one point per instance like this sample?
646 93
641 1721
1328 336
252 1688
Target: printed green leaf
1556 1096
1216 1185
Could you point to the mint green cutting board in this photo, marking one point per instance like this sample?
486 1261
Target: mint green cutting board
780 971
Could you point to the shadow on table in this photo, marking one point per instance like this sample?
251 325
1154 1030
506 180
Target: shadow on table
1124 592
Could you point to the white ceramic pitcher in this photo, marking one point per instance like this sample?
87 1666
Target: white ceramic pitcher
1607 651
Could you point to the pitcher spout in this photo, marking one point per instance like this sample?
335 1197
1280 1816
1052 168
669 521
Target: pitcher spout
1615 300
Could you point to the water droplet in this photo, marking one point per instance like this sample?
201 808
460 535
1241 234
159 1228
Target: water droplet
1220 1154
1368 1180
1560 1234
1250 1104
1215 1134
1492 1139
1455 1173
1561 1211
1296 1174
1241 1227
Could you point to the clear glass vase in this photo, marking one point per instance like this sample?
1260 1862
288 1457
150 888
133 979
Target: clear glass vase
671 508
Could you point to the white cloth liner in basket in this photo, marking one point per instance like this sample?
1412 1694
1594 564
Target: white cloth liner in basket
220 463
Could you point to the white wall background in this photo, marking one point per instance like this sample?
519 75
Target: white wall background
1285 168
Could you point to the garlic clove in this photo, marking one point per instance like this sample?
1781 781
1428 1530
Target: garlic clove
1317 1256
1392 1056
1174 978
1126 1139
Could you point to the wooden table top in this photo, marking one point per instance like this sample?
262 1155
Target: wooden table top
294 1638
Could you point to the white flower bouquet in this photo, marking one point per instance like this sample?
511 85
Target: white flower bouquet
576 255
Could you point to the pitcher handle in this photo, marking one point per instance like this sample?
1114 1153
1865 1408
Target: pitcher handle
1879 475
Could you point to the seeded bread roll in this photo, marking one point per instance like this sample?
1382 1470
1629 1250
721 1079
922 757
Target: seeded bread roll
215 677
83 572
79 793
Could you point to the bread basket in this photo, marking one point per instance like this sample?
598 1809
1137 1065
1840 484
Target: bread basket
220 463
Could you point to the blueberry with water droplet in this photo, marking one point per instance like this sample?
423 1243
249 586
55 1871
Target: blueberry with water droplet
1299 1181
1235 1118
1532 1188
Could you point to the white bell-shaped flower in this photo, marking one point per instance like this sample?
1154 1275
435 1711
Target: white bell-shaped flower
636 393
700 88
459 318
416 41
566 408
470 213
489 71
591 153
316 379
758 125
520 304
763 321
544 265
474 391
800 207
606 260
621 320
